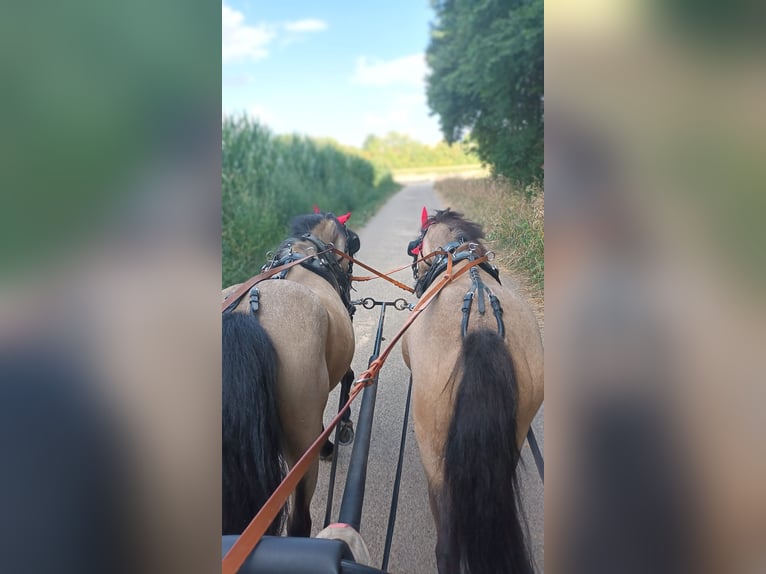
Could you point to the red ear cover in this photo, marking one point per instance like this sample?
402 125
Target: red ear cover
423 217
344 218
316 209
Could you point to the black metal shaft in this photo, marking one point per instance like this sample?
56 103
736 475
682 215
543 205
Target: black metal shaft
353 495
532 439
345 386
397 482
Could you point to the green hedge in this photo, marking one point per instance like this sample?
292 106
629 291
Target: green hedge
268 179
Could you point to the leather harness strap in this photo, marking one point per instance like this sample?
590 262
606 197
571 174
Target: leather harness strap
376 272
233 299
384 275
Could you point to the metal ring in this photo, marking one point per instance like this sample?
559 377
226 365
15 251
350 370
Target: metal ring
490 255
400 304
368 302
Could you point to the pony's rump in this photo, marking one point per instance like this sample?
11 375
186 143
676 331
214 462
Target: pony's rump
486 534
253 465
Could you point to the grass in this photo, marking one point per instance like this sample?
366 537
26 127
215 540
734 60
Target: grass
512 220
268 179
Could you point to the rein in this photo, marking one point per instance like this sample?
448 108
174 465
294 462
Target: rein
250 537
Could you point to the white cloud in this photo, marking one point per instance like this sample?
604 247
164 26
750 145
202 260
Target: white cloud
254 112
264 116
307 25
241 41
407 70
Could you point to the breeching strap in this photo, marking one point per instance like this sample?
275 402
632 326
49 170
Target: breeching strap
250 537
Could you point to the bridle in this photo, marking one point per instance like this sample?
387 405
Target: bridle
459 250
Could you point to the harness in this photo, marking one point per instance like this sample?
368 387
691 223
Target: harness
478 288
323 264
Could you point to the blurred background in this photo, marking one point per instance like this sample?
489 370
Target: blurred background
109 276
111 270
653 144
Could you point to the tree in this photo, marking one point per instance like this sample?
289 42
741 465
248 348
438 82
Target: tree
486 81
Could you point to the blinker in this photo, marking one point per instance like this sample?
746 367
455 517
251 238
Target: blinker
352 242
413 249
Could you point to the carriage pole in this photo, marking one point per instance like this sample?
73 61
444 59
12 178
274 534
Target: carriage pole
353 495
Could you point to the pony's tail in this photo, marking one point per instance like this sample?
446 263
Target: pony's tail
253 465
486 533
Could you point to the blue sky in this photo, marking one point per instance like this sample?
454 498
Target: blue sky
341 68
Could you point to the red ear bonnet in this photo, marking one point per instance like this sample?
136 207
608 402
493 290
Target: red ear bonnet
423 218
316 209
344 218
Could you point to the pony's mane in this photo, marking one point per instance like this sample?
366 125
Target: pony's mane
306 223
458 225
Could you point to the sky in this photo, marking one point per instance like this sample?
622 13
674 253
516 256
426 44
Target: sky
343 69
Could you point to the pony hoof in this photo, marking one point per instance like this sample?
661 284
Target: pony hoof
346 436
327 452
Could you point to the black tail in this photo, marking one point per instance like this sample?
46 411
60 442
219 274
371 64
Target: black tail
252 462
485 526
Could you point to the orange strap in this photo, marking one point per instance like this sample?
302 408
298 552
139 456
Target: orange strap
248 540
375 271
386 273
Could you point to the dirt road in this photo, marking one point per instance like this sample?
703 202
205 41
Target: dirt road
383 245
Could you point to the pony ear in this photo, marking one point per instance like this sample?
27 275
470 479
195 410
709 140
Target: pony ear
344 218
423 217
316 209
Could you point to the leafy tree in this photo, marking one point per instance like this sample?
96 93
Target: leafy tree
486 80
396 150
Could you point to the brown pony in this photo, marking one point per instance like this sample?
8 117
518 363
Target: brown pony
285 346
474 399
